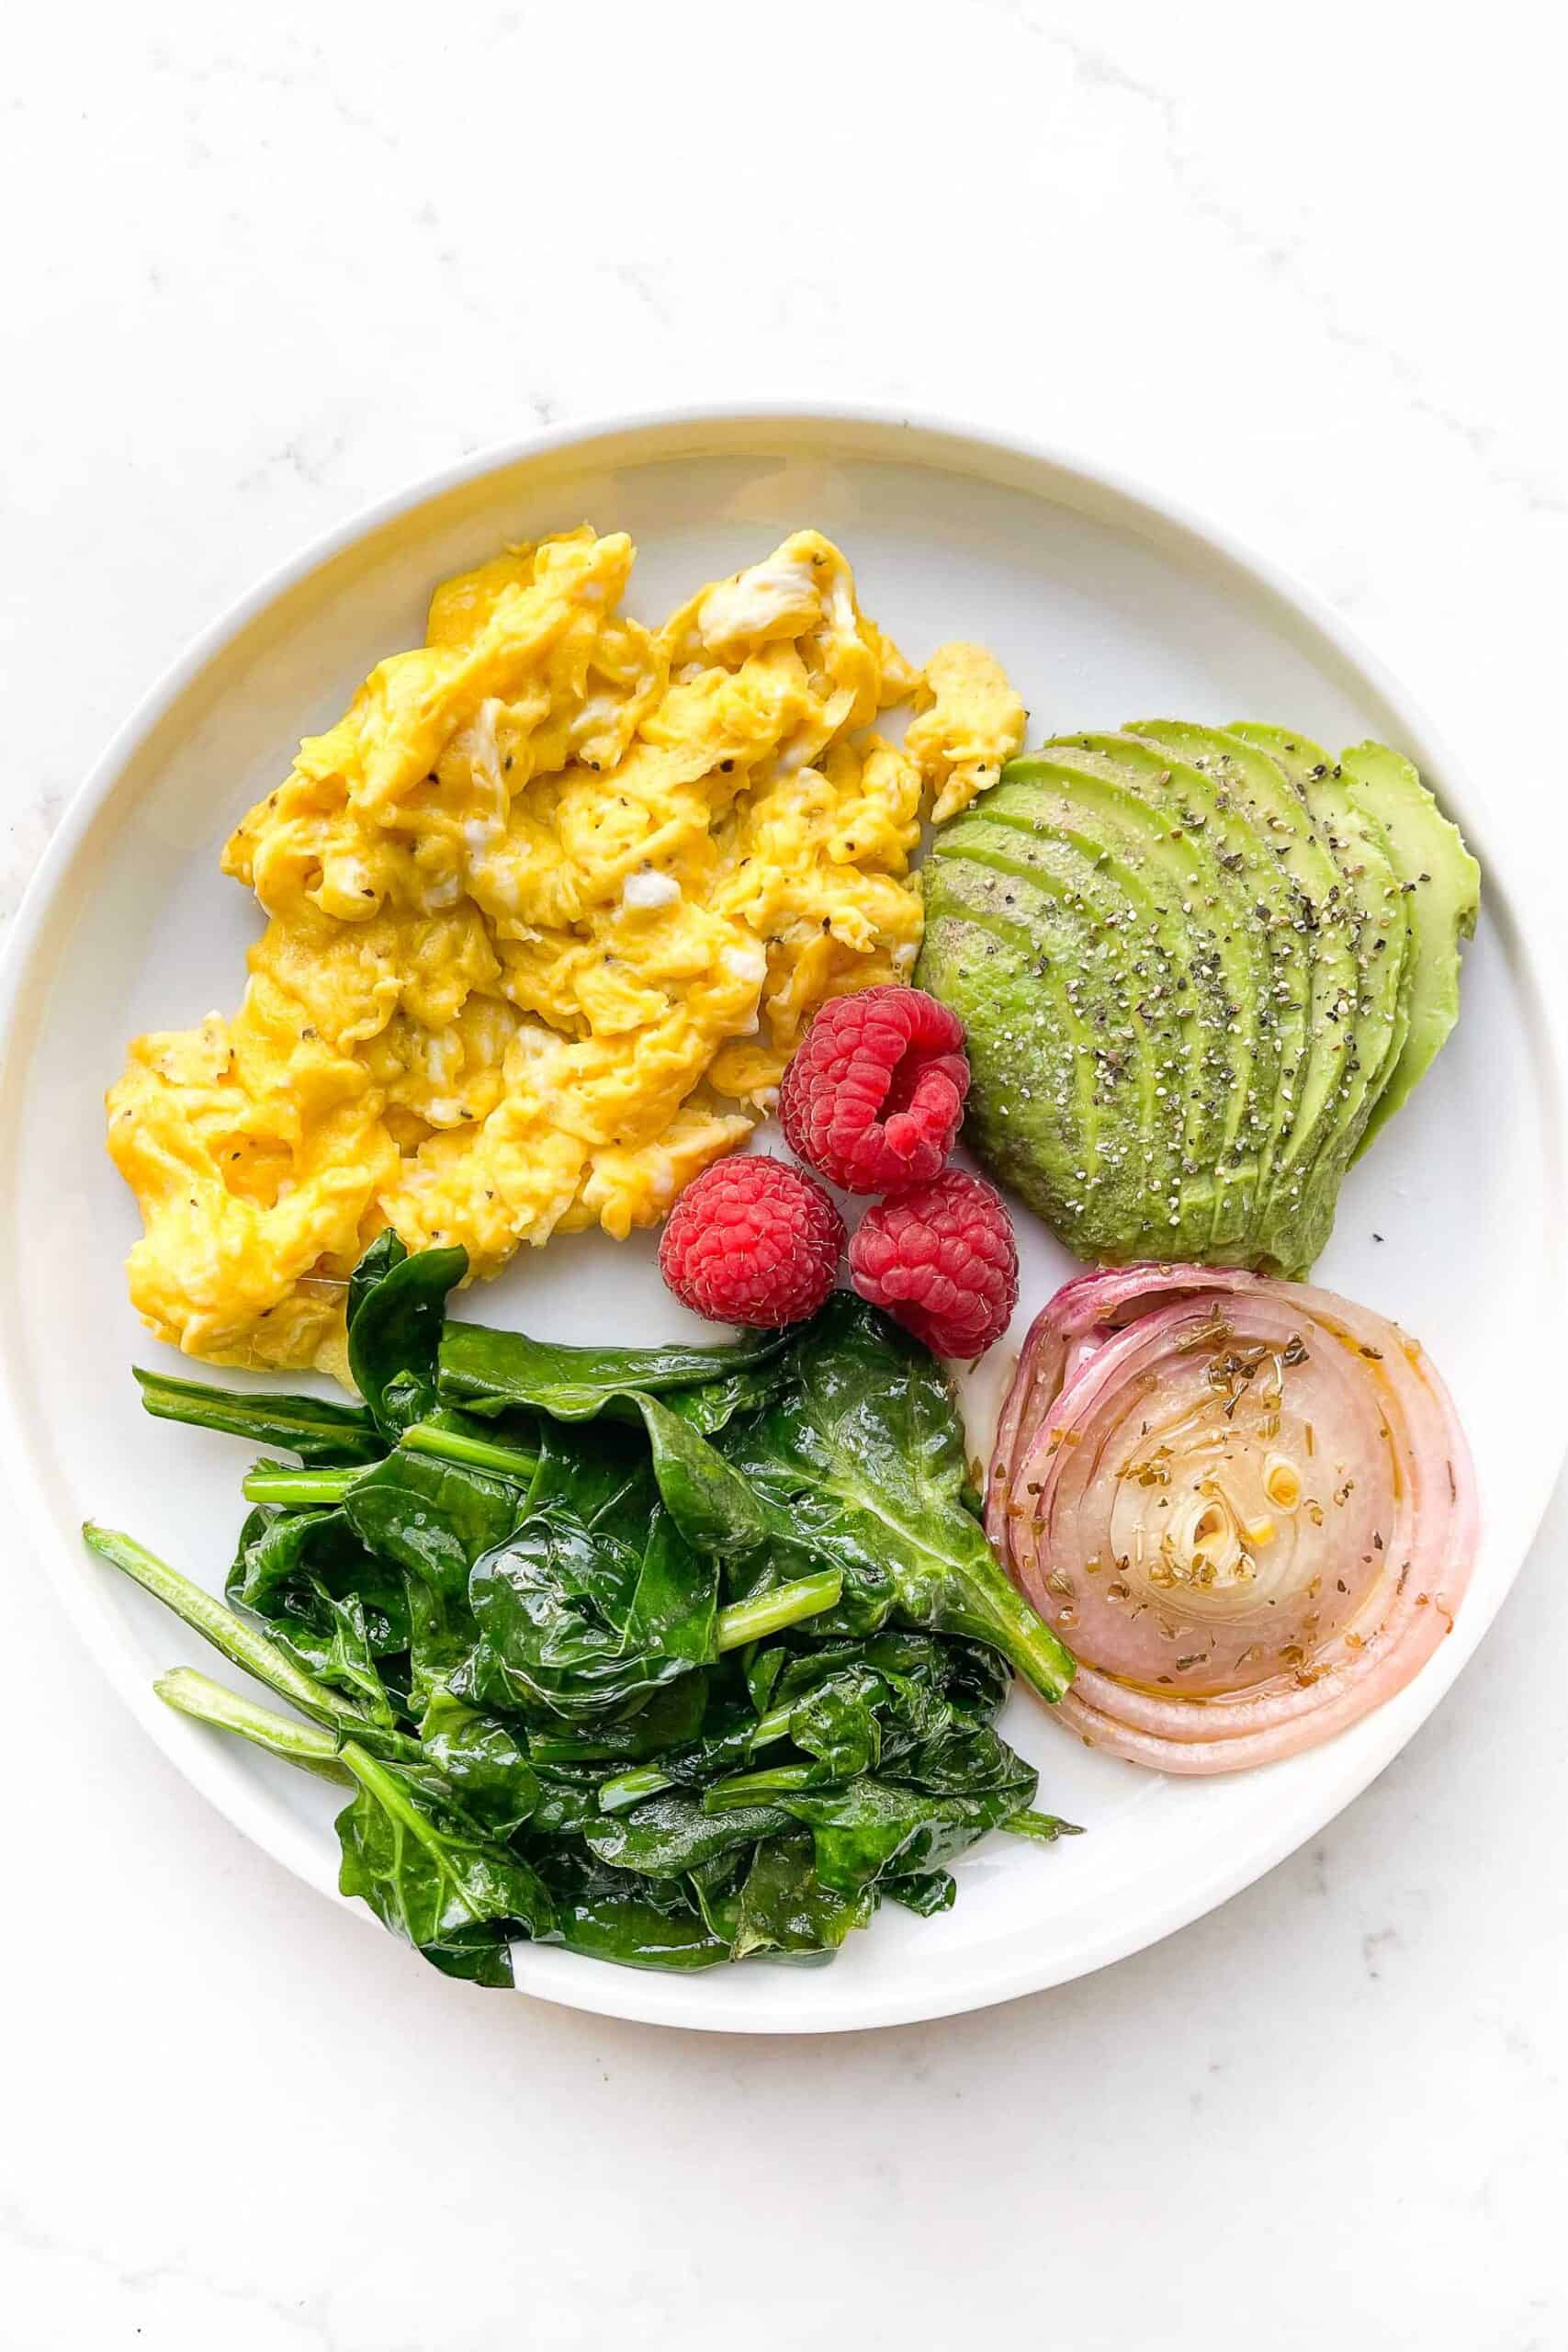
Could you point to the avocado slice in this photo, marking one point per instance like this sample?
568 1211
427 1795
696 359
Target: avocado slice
1055 1105
1262 902
1383 949
1214 956
1184 993
1139 985
1321 918
1198 966
1441 883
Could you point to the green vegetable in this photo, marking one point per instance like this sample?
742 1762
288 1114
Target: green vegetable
397 1305
871 1829
1198 968
301 1425
1043 1828
241 1644
434 1519
573 1624
861 1456
190 1693
497 1371
785 1910
639 1923
446 1436
426 1869
676 1833
554 1608
432 1876
484 1761
307 1579
673 1657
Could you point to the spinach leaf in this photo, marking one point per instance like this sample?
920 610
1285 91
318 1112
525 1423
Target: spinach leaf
671 1834
434 1519
709 1407
388 1249
837 1724
637 1922
331 1640
490 1372
397 1305
613 1479
674 1605
423 1866
282 1552
672 1718
553 1605
440 1644
860 1453
483 1762
901 1705
972 1678
431 1874
601 1474
305 1426
932 1745
871 1829
925 1893
714 1507
568 1804
785 1910
1043 1828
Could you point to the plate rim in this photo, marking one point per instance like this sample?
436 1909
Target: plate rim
1513 899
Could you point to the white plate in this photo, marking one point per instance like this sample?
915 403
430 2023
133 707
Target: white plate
1105 605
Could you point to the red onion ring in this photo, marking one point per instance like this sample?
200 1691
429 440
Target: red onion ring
1247 1506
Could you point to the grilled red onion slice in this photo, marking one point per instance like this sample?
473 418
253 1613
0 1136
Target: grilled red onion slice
1246 1506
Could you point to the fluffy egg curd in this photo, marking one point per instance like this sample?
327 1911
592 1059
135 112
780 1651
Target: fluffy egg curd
548 911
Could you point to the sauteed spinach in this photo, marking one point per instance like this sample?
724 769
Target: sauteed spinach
670 1656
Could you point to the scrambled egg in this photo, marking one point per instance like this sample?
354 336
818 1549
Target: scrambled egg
547 913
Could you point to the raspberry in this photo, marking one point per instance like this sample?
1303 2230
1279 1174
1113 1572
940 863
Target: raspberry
753 1241
874 1096
943 1261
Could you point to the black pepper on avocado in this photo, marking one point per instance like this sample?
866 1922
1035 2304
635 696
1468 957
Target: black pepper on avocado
1197 967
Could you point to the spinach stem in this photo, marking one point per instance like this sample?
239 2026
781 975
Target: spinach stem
1002 1617
630 1788
755 1788
210 1703
457 1445
298 1486
787 1604
240 1644
1045 1827
322 1489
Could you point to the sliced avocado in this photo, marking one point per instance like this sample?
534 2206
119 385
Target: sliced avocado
1185 996
1321 918
1382 944
1198 967
1264 904
1441 883
1212 956
1138 978
1055 1105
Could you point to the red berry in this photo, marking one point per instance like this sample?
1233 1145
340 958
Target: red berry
753 1241
874 1097
942 1260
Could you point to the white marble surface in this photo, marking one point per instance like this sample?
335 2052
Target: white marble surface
264 268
